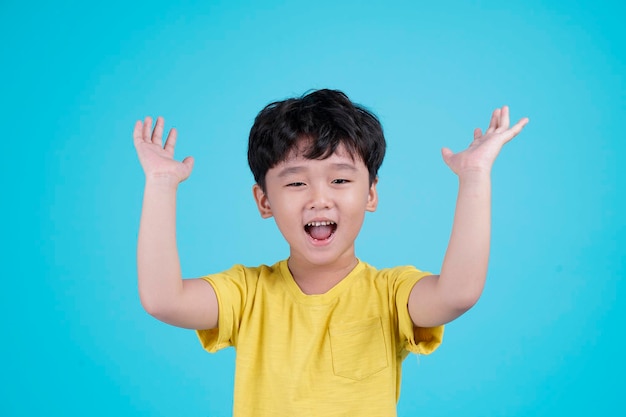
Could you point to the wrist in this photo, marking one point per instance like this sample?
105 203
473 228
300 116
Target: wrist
475 174
162 181
475 178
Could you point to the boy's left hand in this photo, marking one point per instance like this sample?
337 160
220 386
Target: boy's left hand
479 156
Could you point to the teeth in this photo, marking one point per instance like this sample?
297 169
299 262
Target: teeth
313 224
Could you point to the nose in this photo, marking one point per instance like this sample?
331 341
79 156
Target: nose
320 198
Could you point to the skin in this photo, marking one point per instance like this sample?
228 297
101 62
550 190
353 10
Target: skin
189 303
299 191
439 299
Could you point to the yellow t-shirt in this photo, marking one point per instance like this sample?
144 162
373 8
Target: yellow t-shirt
333 354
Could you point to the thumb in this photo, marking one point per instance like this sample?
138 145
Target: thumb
447 154
188 163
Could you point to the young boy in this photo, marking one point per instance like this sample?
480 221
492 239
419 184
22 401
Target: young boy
321 333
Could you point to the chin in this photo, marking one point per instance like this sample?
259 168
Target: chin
321 257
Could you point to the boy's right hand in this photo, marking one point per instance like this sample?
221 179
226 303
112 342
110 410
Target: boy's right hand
157 159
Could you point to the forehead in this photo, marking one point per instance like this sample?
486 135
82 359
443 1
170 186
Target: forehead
296 162
297 156
304 147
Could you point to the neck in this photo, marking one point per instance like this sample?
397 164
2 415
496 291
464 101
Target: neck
319 279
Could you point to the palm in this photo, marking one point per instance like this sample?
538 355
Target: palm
482 152
157 159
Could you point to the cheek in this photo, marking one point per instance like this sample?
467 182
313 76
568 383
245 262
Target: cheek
286 214
363 197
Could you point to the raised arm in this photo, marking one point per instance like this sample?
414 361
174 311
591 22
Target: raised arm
436 300
189 303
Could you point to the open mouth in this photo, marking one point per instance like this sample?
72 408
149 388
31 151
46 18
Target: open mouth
320 230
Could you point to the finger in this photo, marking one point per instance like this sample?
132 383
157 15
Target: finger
503 122
447 154
516 129
157 133
477 133
170 142
493 123
189 161
147 126
137 132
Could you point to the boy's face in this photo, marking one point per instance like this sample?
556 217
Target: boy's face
318 205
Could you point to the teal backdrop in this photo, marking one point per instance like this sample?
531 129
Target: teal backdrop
546 338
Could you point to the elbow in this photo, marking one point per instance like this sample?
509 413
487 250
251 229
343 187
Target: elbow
149 306
461 294
464 300
155 306
160 301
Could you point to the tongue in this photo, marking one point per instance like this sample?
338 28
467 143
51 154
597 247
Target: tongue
321 232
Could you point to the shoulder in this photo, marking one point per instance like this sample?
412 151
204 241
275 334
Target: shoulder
245 276
394 274
249 271
397 282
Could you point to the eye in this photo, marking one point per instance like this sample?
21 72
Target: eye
295 184
340 181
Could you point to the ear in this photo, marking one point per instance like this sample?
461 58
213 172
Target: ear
262 203
372 196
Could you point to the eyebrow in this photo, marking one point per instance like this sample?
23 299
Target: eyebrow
340 166
290 170
344 167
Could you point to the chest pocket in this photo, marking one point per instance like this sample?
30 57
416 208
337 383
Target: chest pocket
358 348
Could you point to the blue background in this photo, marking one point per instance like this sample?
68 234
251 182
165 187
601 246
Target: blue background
545 339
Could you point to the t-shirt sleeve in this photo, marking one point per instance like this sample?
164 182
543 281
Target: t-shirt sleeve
231 289
422 340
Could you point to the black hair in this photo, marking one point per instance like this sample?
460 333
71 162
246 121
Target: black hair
325 117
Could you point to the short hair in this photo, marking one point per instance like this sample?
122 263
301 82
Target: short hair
326 117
